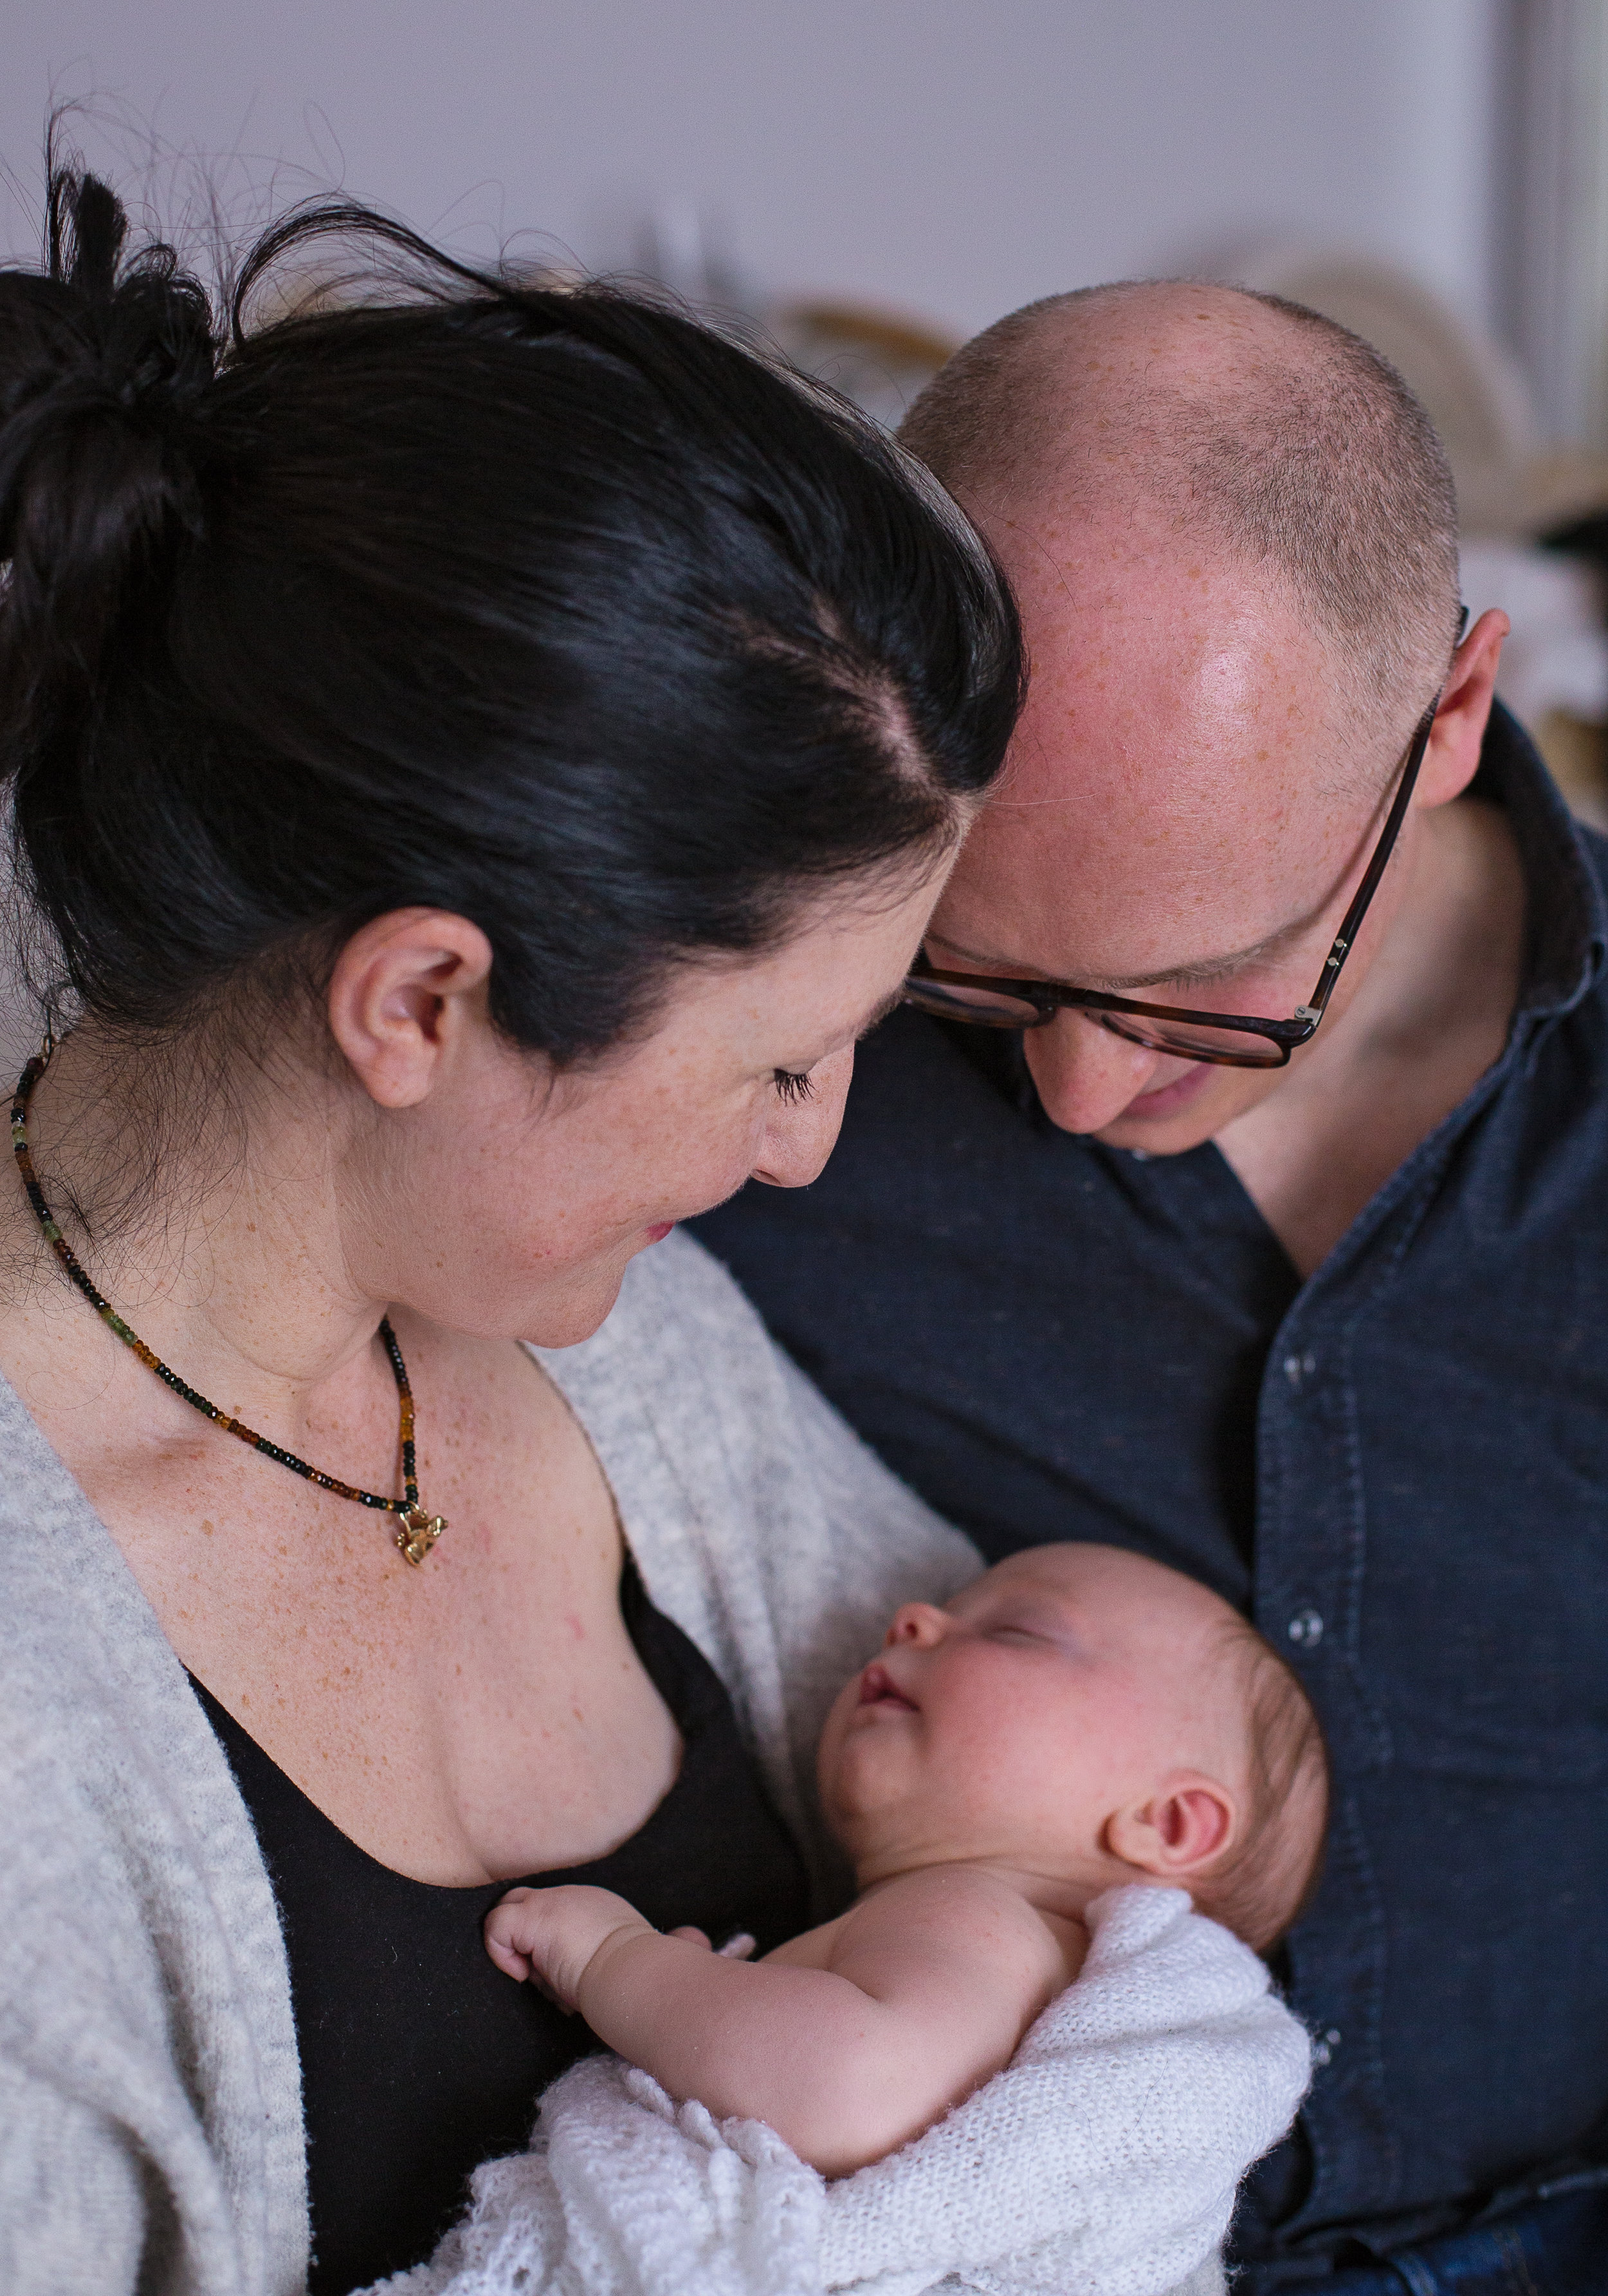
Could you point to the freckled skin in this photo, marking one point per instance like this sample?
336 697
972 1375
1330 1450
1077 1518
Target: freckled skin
1198 776
1154 821
486 1715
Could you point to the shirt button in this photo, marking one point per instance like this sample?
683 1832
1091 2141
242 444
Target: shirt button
1323 2048
1299 1368
1305 1629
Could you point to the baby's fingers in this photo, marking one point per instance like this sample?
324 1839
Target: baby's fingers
519 1935
507 1956
510 1933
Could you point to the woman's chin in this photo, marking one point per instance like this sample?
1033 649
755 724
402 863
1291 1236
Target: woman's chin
580 1301
565 1318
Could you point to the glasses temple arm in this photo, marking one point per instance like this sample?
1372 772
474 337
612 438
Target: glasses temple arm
1375 871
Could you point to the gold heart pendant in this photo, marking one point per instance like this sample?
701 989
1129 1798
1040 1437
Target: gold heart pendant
417 1532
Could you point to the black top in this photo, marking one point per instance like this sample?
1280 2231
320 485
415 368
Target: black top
419 2058
1400 1468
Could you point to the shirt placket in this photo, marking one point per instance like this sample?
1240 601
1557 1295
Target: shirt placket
1311 1561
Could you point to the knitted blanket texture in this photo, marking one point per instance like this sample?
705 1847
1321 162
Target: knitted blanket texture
1102 2161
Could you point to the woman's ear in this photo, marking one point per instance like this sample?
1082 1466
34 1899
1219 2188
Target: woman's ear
1178 1831
402 989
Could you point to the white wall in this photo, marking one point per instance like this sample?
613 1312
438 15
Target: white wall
953 156
1554 291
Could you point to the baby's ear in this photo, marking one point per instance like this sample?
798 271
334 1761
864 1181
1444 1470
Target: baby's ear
1179 1829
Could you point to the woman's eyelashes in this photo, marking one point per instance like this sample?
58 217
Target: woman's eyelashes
792 1084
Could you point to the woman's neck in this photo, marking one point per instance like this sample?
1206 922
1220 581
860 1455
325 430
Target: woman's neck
225 1242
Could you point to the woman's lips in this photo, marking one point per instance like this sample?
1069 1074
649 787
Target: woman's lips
878 1688
659 1231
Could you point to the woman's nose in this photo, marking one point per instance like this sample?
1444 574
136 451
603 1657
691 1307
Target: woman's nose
921 1623
1084 1074
801 1133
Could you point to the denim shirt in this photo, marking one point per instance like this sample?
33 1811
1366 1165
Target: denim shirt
1398 1468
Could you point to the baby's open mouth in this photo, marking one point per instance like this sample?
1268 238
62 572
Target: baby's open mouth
878 1688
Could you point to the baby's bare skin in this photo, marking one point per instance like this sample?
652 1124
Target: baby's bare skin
848 2040
1063 1726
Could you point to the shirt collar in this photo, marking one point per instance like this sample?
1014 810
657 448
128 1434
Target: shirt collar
1568 914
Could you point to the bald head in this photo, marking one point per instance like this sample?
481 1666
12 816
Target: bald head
1239 422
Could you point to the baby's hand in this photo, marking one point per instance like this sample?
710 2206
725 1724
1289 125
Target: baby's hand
550 1936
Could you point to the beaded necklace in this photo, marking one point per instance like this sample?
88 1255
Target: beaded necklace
417 1532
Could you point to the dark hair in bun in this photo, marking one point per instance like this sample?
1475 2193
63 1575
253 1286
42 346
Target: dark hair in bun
551 607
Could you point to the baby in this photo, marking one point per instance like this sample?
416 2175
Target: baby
1077 1718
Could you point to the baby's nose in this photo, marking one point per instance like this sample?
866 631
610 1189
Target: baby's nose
922 1623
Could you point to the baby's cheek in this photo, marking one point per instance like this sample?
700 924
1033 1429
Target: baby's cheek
829 1749
872 1776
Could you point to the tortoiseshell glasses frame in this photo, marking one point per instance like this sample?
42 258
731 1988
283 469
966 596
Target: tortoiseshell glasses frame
988 1003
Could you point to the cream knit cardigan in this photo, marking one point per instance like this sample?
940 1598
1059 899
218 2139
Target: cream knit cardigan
151 2132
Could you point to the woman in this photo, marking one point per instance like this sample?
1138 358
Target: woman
479 757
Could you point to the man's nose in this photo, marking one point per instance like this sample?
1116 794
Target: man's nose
801 1133
921 1623
1085 1075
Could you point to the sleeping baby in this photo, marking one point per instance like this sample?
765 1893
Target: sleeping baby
1079 1718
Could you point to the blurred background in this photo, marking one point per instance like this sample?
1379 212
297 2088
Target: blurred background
873 180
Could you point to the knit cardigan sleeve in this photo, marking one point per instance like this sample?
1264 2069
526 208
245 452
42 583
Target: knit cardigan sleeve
150 2098
151 2133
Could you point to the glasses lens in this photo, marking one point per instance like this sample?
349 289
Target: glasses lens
988 1008
1231 1048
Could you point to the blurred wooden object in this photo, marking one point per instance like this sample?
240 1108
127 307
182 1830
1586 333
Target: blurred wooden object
1512 491
1576 758
880 358
1510 485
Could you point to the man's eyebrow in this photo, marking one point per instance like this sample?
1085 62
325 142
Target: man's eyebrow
1207 968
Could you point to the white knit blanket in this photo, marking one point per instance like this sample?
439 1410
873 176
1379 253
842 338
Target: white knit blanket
1102 2162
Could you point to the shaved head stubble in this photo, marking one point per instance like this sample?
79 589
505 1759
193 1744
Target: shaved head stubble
1239 421
1233 535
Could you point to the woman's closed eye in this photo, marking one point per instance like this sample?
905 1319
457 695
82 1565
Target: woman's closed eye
792 1084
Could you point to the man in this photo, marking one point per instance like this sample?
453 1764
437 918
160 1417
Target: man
1331 1329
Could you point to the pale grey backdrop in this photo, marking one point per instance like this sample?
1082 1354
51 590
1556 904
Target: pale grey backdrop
955 156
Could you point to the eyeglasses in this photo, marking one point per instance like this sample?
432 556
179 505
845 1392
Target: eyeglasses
1232 1040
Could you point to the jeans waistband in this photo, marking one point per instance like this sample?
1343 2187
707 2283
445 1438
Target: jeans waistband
1553 2244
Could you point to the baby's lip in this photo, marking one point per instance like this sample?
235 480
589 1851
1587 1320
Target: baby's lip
878 1688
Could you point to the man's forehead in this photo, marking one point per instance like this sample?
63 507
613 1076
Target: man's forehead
1169 797
1142 879
1050 897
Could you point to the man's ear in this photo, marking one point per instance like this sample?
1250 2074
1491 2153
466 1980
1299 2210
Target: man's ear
401 989
1178 1831
1453 757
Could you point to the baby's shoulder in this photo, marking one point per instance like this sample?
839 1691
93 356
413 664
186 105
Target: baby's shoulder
972 1915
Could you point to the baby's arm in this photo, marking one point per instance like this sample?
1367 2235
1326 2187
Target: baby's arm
850 2043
